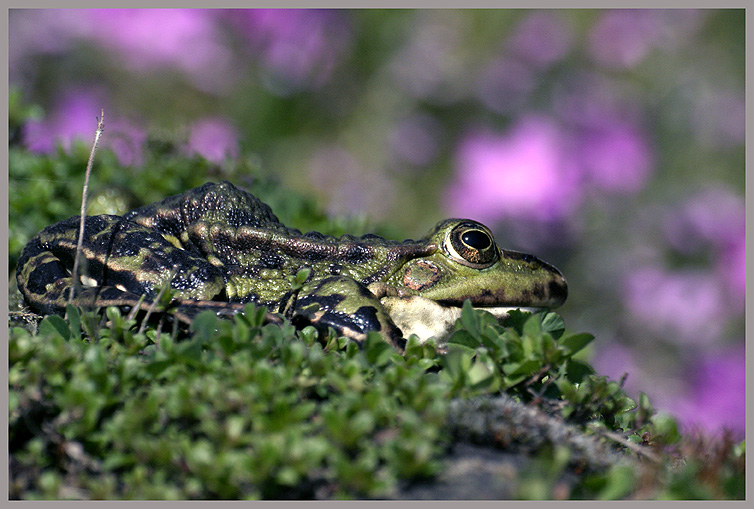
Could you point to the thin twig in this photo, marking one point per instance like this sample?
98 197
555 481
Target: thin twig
630 445
135 309
157 299
74 272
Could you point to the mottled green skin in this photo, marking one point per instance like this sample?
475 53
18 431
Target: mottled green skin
219 247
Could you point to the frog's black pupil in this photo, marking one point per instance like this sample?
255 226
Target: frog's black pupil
476 239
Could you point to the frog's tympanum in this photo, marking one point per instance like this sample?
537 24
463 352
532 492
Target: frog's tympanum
218 247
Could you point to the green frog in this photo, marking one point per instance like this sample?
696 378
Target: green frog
218 247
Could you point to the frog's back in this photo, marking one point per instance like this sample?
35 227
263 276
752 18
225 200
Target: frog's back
240 234
212 203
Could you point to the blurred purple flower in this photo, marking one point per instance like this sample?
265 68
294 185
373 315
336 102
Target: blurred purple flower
430 65
74 118
151 38
615 158
541 168
615 360
717 393
713 221
525 173
713 216
541 39
622 38
144 39
414 140
732 267
350 188
40 31
611 149
719 118
709 395
689 304
505 84
44 30
214 139
590 100
300 46
126 140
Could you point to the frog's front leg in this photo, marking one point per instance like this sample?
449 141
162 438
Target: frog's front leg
348 307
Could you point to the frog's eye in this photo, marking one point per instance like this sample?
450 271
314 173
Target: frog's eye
472 245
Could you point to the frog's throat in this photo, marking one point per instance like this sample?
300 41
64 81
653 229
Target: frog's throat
427 318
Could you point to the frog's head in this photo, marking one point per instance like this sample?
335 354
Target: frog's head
468 264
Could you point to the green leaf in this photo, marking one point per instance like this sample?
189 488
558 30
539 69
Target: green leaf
74 319
156 368
533 326
577 371
298 280
117 460
95 359
554 324
621 480
456 362
568 389
205 325
575 342
469 319
646 410
54 325
189 351
463 338
624 404
666 428
377 351
480 374
523 368
252 315
516 319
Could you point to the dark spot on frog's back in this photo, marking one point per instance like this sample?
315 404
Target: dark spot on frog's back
270 260
325 301
362 320
366 317
137 240
358 253
50 271
236 270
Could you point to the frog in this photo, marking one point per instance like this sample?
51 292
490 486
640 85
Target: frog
219 248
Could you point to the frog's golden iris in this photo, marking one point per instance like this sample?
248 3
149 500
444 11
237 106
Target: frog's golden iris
219 247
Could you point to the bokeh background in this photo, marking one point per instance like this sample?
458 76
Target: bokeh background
609 142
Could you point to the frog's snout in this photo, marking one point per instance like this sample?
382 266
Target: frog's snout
558 292
557 288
